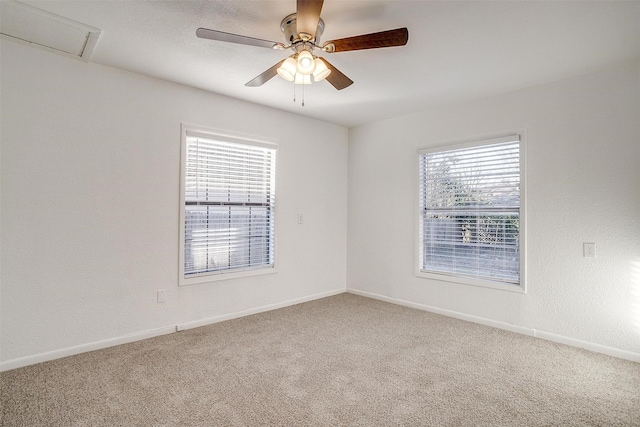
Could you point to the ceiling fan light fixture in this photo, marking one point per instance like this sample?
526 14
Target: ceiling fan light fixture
302 79
321 71
288 69
302 31
305 65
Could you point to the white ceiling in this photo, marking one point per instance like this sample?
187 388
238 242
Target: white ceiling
457 50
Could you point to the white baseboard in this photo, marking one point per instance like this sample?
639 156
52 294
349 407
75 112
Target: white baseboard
83 348
256 310
597 348
448 313
98 345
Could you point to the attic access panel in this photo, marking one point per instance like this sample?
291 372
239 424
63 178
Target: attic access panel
36 27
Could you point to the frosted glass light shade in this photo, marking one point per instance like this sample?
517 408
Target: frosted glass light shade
306 65
288 69
321 72
301 79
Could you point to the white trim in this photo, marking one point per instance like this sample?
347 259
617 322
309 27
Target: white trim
256 310
99 345
597 348
233 136
225 275
90 46
471 281
472 143
532 332
444 312
83 348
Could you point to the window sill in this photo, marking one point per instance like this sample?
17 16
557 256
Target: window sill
520 288
230 275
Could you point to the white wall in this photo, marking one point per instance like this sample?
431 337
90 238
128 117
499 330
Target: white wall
583 162
90 206
90 161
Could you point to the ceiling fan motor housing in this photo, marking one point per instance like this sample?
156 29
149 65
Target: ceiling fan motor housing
290 30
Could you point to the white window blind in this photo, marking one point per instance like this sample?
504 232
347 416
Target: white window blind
470 210
229 202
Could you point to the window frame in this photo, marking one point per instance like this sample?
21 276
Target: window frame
521 287
226 136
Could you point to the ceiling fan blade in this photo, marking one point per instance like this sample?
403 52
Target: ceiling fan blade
336 78
264 77
389 38
308 15
205 33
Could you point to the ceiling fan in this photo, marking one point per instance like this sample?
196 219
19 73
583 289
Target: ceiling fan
302 31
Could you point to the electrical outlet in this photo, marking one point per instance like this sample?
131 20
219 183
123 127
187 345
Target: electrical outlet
589 250
162 296
300 219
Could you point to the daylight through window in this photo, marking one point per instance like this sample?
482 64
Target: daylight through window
229 202
470 211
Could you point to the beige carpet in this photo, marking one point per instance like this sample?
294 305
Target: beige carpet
344 360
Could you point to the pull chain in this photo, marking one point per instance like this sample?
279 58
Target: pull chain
294 93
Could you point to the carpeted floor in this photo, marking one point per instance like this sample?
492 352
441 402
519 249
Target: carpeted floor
340 361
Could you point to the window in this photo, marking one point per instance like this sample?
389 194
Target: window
228 202
470 213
